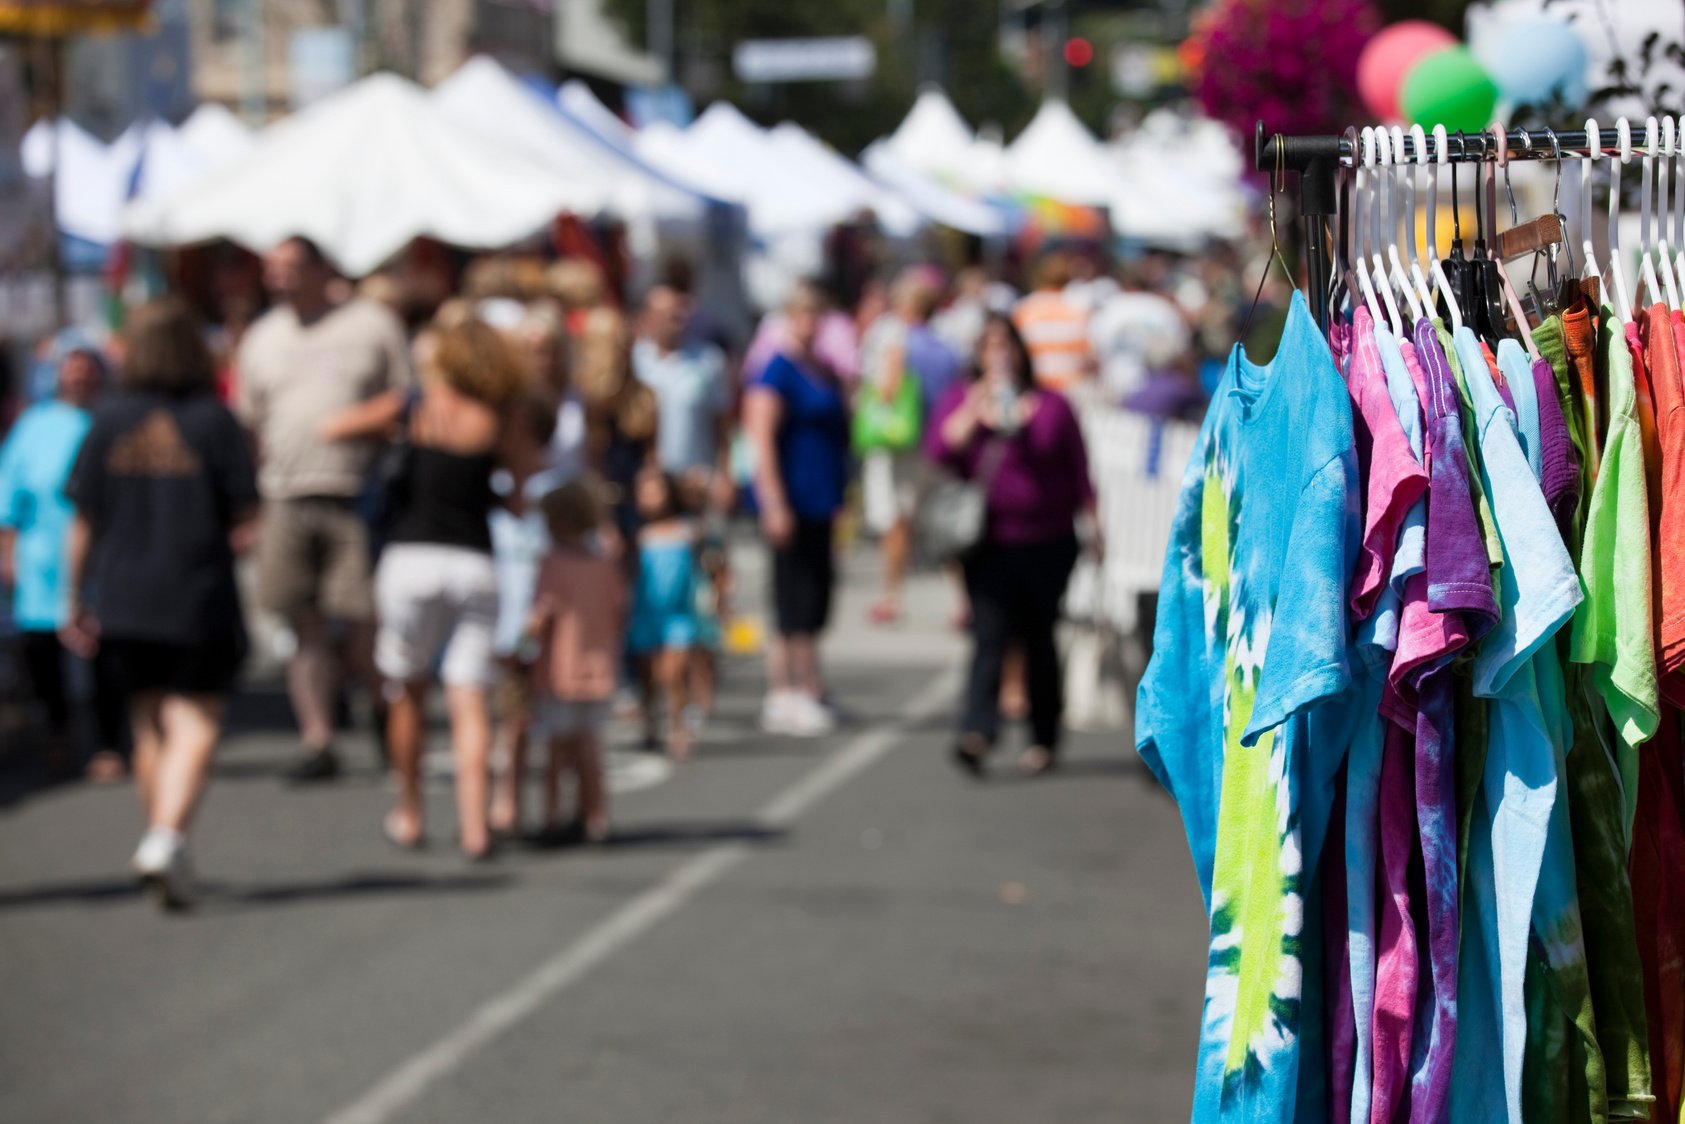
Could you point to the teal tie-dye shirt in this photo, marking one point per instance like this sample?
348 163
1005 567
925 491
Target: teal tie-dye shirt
1237 714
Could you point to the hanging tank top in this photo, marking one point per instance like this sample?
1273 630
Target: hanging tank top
447 499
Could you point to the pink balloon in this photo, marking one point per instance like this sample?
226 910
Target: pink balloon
1388 57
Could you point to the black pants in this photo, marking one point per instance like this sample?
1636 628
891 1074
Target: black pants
43 659
1015 592
804 578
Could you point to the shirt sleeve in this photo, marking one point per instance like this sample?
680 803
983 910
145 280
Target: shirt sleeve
774 377
1306 658
1538 585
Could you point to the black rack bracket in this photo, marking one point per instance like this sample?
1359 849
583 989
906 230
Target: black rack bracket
1316 161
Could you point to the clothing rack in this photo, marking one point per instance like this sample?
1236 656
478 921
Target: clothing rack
1317 160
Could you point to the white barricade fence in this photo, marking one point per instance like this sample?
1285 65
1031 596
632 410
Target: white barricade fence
1137 464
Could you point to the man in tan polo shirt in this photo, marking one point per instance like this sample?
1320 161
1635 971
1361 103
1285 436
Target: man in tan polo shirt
303 362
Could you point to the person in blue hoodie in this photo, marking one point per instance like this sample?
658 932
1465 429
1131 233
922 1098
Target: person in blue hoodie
35 516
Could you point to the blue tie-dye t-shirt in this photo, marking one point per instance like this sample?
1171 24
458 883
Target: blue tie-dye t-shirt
1245 710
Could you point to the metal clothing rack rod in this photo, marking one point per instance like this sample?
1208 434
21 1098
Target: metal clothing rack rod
1317 159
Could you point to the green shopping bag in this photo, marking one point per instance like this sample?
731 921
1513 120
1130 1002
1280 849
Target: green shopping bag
895 424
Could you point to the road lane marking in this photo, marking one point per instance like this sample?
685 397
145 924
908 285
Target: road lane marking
406 1084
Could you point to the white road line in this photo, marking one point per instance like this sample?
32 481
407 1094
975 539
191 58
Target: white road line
405 1085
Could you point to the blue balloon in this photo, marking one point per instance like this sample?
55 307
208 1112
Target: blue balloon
1532 58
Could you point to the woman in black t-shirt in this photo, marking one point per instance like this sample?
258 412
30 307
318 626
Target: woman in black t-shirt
165 496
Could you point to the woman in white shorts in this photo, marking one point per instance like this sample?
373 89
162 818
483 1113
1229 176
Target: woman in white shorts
436 587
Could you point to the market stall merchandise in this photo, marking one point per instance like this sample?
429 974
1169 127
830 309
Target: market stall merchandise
1417 661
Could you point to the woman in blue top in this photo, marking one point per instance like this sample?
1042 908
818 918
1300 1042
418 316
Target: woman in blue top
35 517
797 425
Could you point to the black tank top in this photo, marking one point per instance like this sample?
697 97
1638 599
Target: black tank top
446 500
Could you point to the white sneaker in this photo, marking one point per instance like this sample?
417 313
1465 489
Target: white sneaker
161 864
809 718
776 711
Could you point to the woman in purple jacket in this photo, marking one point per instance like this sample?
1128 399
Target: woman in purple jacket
1025 447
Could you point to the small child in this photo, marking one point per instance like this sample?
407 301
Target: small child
664 626
519 542
578 621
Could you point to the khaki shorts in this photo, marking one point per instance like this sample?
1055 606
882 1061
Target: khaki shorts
313 556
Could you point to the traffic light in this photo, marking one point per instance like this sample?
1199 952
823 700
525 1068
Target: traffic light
1079 52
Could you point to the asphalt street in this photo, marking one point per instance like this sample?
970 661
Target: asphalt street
838 930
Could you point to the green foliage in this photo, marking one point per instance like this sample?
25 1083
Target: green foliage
950 41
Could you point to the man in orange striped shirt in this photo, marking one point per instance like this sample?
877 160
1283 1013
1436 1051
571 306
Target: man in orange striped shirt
1054 328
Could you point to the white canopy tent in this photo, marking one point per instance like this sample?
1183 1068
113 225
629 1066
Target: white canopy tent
171 158
820 164
215 133
149 158
363 173
788 184
494 103
1057 157
1179 182
92 180
578 102
934 139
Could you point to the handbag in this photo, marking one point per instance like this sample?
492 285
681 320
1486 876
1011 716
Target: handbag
951 519
894 424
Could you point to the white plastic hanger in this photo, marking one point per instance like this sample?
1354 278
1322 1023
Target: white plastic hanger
1594 150
1679 201
1360 230
1617 272
1381 224
1678 237
1442 155
1647 279
1664 260
1393 154
1419 137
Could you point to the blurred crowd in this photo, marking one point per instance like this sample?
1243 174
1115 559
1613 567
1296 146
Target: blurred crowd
521 495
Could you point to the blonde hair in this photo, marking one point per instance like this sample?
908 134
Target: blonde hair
577 282
476 360
915 296
572 511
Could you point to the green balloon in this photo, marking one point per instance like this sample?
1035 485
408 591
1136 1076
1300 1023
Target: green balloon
1448 87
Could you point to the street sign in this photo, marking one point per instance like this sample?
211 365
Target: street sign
842 58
